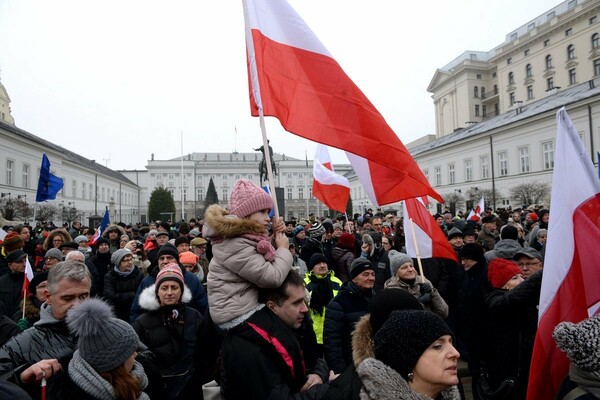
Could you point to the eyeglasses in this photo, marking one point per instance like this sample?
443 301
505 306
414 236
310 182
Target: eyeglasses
528 265
57 240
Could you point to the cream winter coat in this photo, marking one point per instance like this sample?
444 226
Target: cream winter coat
237 270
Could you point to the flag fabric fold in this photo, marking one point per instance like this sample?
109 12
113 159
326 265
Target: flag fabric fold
431 240
571 282
48 185
28 277
475 213
332 189
294 78
103 224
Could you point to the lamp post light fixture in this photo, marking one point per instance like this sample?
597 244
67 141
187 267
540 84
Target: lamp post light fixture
5 194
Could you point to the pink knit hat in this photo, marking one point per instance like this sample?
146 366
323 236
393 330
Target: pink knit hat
170 272
248 198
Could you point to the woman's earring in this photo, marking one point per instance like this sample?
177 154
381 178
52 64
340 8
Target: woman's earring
410 376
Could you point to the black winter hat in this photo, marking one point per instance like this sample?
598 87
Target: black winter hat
315 259
358 266
168 248
388 300
509 232
405 336
472 251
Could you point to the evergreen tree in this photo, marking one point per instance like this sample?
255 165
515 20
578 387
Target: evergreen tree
161 201
211 195
349 207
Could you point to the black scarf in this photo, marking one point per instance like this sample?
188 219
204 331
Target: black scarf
321 294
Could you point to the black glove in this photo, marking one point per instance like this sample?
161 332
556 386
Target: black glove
425 287
425 299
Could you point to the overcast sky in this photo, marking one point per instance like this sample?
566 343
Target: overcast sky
116 81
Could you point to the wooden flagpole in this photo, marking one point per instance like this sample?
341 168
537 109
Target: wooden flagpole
267 154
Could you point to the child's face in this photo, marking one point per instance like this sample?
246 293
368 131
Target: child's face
262 217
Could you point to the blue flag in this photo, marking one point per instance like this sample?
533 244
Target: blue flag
598 164
48 185
266 189
103 224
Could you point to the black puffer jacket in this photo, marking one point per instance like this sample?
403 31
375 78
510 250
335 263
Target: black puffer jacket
178 343
11 285
49 338
120 291
343 311
101 264
342 259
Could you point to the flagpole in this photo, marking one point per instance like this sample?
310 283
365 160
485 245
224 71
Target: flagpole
24 299
34 211
267 154
412 228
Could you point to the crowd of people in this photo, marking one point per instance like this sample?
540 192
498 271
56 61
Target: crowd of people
241 305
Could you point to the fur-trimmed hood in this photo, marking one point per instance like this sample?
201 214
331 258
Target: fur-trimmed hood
383 383
149 302
219 224
56 232
362 340
112 227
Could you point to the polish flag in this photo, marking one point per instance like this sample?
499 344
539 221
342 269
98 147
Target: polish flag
571 282
103 224
332 189
431 240
294 78
28 276
476 212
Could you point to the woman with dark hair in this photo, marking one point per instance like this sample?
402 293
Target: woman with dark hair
174 332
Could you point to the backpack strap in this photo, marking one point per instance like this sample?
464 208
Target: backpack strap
575 393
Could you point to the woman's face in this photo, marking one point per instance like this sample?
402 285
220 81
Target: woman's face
128 364
436 369
25 234
406 272
169 293
385 242
57 241
513 282
126 263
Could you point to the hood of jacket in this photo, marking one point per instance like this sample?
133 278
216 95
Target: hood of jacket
362 340
383 383
218 223
58 231
110 228
337 253
507 248
149 302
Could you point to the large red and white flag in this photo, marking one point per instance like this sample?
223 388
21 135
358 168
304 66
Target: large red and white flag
28 276
571 282
332 189
294 78
430 238
476 212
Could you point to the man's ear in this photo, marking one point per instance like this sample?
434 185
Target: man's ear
47 296
271 305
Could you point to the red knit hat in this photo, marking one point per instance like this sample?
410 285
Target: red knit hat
501 271
533 216
247 198
13 241
346 241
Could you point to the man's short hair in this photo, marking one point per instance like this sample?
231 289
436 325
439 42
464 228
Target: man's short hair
281 294
75 256
72 270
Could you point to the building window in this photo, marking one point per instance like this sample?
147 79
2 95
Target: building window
530 27
91 192
103 194
568 32
548 151
25 175
509 61
550 83
477 110
200 194
475 91
496 109
512 98
593 20
426 173
495 89
572 77
483 111
548 61
249 176
503 163
528 71
485 167
596 67
74 189
9 171
572 4
595 41
570 52
524 159
289 193
493 74
530 92
301 193
478 76
546 42
83 191
513 36
511 78
526 53
438 175
482 92
310 196
468 170
224 191
451 173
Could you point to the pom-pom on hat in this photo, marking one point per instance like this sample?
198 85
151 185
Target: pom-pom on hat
581 342
105 342
405 336
12 241
247 198
398 259
118 255
388 300
501 271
